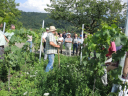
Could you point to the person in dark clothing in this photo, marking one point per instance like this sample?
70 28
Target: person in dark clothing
59 33
64 35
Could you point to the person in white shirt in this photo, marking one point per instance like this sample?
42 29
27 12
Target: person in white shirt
68 44
44 36
79 44
60 42
30 41
2 42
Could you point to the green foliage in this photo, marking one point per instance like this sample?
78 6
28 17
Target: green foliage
99 42
9 12
72 79
88 12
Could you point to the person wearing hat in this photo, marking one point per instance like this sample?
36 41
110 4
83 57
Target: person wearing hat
68 44
44 42
51 48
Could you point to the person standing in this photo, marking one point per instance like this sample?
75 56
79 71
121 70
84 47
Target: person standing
56 35
44 42
64 35
60 42
79 44
2 42
68 44
111 50
51 48
75 43
59 33
30 41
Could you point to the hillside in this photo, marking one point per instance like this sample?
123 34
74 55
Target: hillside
34 20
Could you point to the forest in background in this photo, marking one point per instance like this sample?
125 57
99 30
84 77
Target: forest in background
34 20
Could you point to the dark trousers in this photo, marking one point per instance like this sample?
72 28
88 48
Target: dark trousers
75 46
79 49
44 45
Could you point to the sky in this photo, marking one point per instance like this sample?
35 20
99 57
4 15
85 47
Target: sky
36 5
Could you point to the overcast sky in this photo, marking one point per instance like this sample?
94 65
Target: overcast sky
36 5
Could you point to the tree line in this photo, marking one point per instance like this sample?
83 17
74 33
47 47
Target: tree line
68 15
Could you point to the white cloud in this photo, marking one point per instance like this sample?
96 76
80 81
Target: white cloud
38 5
34 5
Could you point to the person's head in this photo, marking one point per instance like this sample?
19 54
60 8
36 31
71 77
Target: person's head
56 33
68 35
47 29
1 25
12 27
76 35
52 29
60 35
85 36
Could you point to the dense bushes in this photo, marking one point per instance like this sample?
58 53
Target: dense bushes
28 76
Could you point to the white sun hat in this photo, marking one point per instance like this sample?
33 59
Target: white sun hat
52 28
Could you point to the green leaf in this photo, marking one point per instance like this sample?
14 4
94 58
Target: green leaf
1 19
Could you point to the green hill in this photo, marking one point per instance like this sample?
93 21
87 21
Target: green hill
34 20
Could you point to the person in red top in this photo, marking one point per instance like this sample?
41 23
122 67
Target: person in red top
111 50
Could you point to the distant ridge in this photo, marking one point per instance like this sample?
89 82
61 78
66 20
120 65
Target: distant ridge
34 20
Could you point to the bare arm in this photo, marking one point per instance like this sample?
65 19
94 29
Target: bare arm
54 45
6 39
44 39
68 41
60 40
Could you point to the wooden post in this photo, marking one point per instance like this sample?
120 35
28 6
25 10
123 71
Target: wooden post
58 59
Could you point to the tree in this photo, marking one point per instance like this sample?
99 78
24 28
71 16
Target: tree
88 12
9 13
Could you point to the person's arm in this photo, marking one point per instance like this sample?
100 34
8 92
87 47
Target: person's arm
44 36
6 39
60 40
68 41
53 44
44 39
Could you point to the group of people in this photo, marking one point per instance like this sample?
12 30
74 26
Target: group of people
66 39
53 40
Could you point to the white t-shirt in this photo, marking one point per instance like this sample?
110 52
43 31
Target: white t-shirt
80 40
29 38
44 35
75 40
60 38
2 38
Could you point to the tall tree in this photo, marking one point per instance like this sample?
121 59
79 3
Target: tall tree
88 12
9 13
